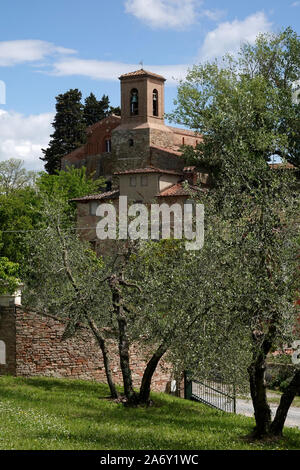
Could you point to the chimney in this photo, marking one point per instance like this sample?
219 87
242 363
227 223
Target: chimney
190 174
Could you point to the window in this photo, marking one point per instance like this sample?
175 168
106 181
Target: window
132 181
93 207
144 180
134 102
155 103
108 145
131 143
2 352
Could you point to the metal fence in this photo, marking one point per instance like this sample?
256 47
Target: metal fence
212 393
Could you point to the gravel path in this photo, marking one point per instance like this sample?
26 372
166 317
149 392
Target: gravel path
244 407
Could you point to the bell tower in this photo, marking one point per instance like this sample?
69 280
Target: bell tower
142 98
142 120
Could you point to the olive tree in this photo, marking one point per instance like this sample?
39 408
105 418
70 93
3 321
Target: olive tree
245 111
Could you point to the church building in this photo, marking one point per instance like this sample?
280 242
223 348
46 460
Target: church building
138 154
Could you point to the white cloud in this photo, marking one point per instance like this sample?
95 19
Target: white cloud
214 15
229 36
28 50
24 136
105 70
164 13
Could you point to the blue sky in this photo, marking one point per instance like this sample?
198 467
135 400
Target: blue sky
46 48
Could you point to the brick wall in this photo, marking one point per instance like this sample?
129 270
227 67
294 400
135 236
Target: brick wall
35 348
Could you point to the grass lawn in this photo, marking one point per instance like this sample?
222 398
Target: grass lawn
45 413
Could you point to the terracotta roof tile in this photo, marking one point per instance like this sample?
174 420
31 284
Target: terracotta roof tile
178 130
77 154
280 166
178 189
141 73
102 122
148 170
96 197
167 149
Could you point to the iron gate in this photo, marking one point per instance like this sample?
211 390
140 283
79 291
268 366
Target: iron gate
213 393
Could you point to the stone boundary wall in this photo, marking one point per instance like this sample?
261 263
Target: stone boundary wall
8 335
35 348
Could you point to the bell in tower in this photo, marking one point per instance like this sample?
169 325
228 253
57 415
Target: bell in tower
134 102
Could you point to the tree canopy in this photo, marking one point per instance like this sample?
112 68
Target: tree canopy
245 110
69 129
246 104
13 176
20 206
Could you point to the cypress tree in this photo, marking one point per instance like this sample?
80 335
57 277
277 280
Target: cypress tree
95 110
69 129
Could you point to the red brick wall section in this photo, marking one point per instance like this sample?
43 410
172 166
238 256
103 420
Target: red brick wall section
8 335
40 351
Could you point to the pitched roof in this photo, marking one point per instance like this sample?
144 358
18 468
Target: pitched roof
179 130
76 154
96 197
179 189
102 122
141 73
282 166
178 153
151 169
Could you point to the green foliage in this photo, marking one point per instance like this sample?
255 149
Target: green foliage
116 110
69 129
48 286
245 111
95 110
14 177
8 276
21 210
68 184
245 105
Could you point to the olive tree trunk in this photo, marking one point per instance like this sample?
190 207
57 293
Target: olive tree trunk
102 344
123 345
145 388
262 411
285 403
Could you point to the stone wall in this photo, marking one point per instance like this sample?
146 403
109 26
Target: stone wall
8 335
161 158
35 348
130 156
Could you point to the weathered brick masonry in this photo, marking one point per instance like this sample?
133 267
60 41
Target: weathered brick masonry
34 347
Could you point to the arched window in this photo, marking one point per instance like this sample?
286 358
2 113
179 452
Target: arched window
2 352
155 103
131 143
108 145
134 102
